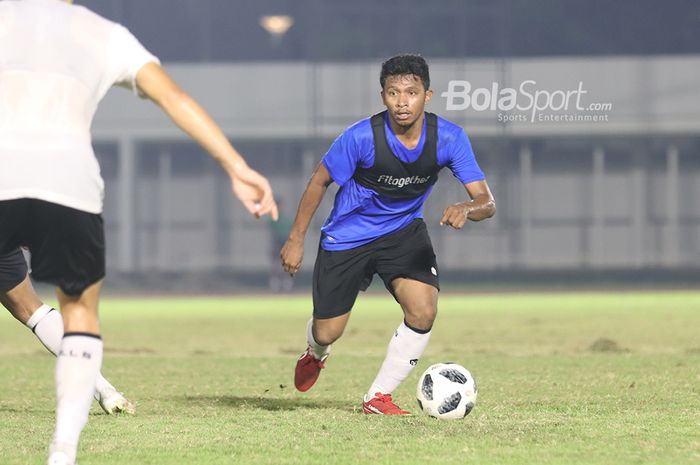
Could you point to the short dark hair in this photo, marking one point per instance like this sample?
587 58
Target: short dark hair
405 65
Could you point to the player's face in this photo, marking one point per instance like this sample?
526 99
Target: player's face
405 98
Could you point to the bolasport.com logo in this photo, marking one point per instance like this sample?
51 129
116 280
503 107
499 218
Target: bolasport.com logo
527 102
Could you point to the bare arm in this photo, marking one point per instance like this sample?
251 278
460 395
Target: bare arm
481 206
292 252
248 185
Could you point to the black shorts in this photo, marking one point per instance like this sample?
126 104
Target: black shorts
340 275
13 269
67 246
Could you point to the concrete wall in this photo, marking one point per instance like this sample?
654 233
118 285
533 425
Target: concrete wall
621 193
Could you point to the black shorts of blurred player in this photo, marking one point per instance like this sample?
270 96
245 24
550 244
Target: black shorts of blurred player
67 245
67 249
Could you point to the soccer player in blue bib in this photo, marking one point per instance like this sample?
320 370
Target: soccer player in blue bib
386 167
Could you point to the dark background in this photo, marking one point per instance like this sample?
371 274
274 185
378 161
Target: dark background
229 30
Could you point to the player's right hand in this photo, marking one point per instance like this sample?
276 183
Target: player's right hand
292 254
254 191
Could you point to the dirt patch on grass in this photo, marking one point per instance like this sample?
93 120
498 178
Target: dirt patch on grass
604 345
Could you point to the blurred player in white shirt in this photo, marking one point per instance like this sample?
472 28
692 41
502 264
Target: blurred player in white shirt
57 61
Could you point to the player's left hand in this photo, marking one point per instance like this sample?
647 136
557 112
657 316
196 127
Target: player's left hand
254 191
456 215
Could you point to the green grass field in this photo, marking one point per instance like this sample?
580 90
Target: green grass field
564 378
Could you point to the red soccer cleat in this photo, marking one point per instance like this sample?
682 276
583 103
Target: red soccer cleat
307 370
381 404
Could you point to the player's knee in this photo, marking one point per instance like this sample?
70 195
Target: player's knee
327 334
421 317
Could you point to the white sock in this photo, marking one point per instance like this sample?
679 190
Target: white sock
77 366
405 348
318 351
47 324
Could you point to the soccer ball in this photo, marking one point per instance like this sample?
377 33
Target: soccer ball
446 391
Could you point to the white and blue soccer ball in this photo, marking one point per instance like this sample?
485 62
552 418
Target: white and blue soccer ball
446 391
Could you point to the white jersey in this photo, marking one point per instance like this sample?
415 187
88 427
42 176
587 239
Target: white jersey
57 61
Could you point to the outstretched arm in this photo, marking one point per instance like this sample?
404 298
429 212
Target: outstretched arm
293 250
481 206
249 186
